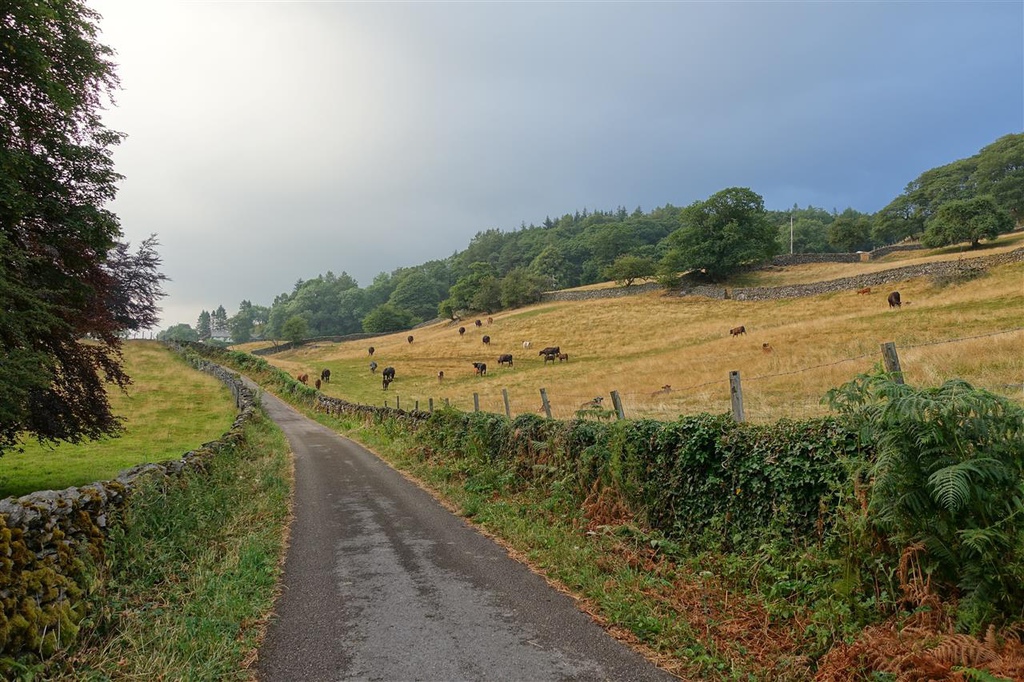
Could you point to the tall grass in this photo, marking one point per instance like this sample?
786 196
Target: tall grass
192 570
168 410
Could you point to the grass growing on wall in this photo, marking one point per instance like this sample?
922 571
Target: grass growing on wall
169 409
192 572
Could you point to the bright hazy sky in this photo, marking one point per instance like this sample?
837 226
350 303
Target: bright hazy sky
274 141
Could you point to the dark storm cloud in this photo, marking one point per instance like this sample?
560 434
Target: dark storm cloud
271 142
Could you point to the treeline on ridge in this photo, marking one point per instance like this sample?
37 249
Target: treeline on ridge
968 200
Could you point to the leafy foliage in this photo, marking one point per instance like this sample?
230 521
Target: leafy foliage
718 235
947 473
63 274
967 220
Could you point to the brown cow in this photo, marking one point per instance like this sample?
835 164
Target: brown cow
440 376
490 320
563 357
409 339
550 350
894 300
736 331
766 348
317 384
304 378
478 323
865 290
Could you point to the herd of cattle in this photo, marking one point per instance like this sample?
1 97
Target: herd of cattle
549 354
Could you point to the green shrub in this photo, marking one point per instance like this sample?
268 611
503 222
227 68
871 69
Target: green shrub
947 475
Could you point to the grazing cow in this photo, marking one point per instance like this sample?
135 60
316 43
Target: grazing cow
550 357
317 384
662 391
371 350
767 349
865 290
550 350
325 376
526 345
487 340
490 320
462 330
409 339
478 323
894 300
304 378
440 376
373 367
481 368
388 375
563 357
505 360
736 331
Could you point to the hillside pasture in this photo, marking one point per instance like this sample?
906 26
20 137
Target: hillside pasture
636 345
169 409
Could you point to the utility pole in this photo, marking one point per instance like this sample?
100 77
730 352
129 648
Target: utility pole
791 233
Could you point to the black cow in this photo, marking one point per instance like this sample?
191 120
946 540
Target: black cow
371 350
373 367
409 339
325 376
462 330
388 376
736 331
478 323
550 350
481 368
551 357
505 360
894 300
487 340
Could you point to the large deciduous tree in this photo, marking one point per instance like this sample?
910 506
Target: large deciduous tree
59 260
966 220
729 229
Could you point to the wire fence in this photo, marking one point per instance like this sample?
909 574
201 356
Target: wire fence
764 397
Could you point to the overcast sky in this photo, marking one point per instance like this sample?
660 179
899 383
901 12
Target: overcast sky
274 141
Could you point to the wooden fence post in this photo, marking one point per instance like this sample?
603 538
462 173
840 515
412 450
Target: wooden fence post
617 402
544 402
476 402
892 361
416 406
508 408
430 404
736 391
446 403
398 402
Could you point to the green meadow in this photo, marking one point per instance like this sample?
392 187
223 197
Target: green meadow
168 410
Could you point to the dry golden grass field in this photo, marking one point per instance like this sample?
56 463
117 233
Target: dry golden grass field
637 345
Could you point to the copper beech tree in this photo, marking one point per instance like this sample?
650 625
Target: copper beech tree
70 288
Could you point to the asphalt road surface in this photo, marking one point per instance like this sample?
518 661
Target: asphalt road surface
382 583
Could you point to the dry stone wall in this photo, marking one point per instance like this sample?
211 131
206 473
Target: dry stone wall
50 540
883 278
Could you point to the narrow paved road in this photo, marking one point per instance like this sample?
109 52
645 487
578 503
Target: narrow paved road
382 583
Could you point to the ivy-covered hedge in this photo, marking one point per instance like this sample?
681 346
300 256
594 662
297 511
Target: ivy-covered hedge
700 476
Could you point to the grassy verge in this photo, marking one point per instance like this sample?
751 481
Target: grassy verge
175 607
168 410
